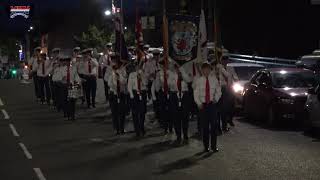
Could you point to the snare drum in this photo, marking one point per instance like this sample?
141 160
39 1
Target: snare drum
74 92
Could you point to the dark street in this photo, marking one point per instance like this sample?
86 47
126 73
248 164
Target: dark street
87 149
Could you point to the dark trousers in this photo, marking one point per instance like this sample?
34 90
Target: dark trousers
36 84
226 107
139 109
51 84
60 95
91 90
44 88
118 110
69 104
180 108
84 87
106 87
208 116
165 119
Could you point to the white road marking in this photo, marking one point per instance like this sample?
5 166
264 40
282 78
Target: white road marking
6 115
25 150
14 131
39 173
1 102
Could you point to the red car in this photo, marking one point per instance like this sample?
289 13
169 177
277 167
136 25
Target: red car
277 94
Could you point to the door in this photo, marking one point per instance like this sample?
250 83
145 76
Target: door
263 95
250 95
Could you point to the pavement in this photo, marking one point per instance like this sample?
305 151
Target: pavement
37 144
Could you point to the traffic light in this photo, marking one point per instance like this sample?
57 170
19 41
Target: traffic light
14 71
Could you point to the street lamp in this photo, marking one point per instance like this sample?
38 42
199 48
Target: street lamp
107 13
31 27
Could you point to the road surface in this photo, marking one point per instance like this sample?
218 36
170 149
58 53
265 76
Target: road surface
36 143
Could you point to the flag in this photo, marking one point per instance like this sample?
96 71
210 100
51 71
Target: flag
217 32
120 45
165 36
139 35
202 39
44 43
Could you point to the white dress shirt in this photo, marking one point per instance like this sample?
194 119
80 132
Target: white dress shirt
150 68
200 90
133 83
74 77
113 79
44 67
223 76
34 63
173 81
56 75
105 60
84 67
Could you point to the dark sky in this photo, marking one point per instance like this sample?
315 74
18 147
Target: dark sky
283 28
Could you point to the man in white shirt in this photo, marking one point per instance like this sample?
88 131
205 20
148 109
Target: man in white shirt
161 84
180 102
33 65
70 80
54 61
89 68
118 87
137 88
207 94
151 67
227 100
105 65
44 68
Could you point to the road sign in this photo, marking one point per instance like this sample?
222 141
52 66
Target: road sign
148 22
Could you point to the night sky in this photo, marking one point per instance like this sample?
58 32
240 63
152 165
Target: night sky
282 28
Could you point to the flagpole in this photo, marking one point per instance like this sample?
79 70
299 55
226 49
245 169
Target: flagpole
165 45
121 29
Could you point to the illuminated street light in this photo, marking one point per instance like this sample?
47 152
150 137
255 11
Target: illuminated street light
31 27
107 13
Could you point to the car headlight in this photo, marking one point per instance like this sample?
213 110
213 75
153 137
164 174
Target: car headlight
237 88
286 101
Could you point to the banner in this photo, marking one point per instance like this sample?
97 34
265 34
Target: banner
202 39
183 38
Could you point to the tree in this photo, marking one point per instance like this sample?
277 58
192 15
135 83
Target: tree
9 47
93 38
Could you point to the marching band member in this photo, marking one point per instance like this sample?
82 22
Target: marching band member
90 71
44 68
180 101
224 79
54 60
33 65
105 65
137 88
162 84
207 94
150 67
118 86
69 79
75 54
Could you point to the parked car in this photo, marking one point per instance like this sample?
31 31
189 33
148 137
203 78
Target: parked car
311 62
277 94
313 109
242 73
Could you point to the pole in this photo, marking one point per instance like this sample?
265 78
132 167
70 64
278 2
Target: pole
165 45
121 29
210 21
